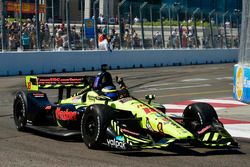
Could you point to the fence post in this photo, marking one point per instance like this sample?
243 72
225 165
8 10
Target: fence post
53 23
3 25
225 28
141 19
195 27
120 21
20 15
38 44
211 27
162 27
152 25
178 7
68 24
237 13
95 22
82 21
170 26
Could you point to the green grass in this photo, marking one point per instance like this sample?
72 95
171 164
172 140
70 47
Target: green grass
174 23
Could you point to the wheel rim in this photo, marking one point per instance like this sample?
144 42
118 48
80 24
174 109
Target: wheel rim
90 126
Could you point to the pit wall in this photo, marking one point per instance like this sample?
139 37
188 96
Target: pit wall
25 63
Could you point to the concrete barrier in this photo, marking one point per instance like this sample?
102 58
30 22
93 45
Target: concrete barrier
23 63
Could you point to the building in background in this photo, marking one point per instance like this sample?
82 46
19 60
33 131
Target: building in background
108 8
208 5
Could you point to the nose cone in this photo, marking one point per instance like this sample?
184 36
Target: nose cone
174 129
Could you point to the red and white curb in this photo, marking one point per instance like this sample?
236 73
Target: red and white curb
236 128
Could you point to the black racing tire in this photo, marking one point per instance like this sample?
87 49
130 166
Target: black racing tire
199 115
94 124
20 110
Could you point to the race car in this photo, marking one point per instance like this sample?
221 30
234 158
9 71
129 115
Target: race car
110 117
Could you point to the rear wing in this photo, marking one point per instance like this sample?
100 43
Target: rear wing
34 83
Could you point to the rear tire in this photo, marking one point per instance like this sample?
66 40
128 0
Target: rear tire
20 110
199 115
94 123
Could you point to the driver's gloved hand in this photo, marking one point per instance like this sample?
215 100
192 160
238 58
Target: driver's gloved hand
120 82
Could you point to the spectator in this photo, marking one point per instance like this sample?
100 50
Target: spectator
174 39
103 42
113 38
59 42
75 38
136 19
157 39
13 39
65 39
47 37
25 39
127 38
101 19
33 38
105 30
184 39
135 39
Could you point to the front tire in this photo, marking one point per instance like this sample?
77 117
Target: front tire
198 116
94 123
20 110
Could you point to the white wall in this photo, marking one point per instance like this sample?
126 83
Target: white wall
44 62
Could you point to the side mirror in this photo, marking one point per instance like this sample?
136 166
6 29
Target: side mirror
149 98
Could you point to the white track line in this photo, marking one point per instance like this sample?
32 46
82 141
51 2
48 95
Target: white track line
194 80
220 101
182 107
238 130
173 88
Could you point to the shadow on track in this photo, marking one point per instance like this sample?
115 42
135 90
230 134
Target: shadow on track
180 150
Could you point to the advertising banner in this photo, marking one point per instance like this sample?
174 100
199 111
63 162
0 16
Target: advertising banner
89 28
29 8
241 85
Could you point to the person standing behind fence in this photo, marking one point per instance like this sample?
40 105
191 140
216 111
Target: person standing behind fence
25 39
126 38
157 40
47 37
135 39
174 39
102 40
59 41
13 41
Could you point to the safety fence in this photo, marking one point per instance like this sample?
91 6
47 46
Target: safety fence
137 26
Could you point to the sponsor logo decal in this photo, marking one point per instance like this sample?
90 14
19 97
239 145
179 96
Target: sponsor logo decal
239 82
204 129
38 95
66 115
128 131
116 143
149 110
124 100
98 130
48 107
58 80
160 127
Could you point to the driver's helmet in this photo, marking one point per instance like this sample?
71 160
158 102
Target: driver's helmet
111 92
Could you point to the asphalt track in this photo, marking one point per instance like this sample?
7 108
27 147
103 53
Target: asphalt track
169 84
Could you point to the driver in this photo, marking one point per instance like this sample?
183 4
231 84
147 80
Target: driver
103 79
104 83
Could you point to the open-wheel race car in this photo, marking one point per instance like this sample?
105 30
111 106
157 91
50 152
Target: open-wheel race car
105 116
